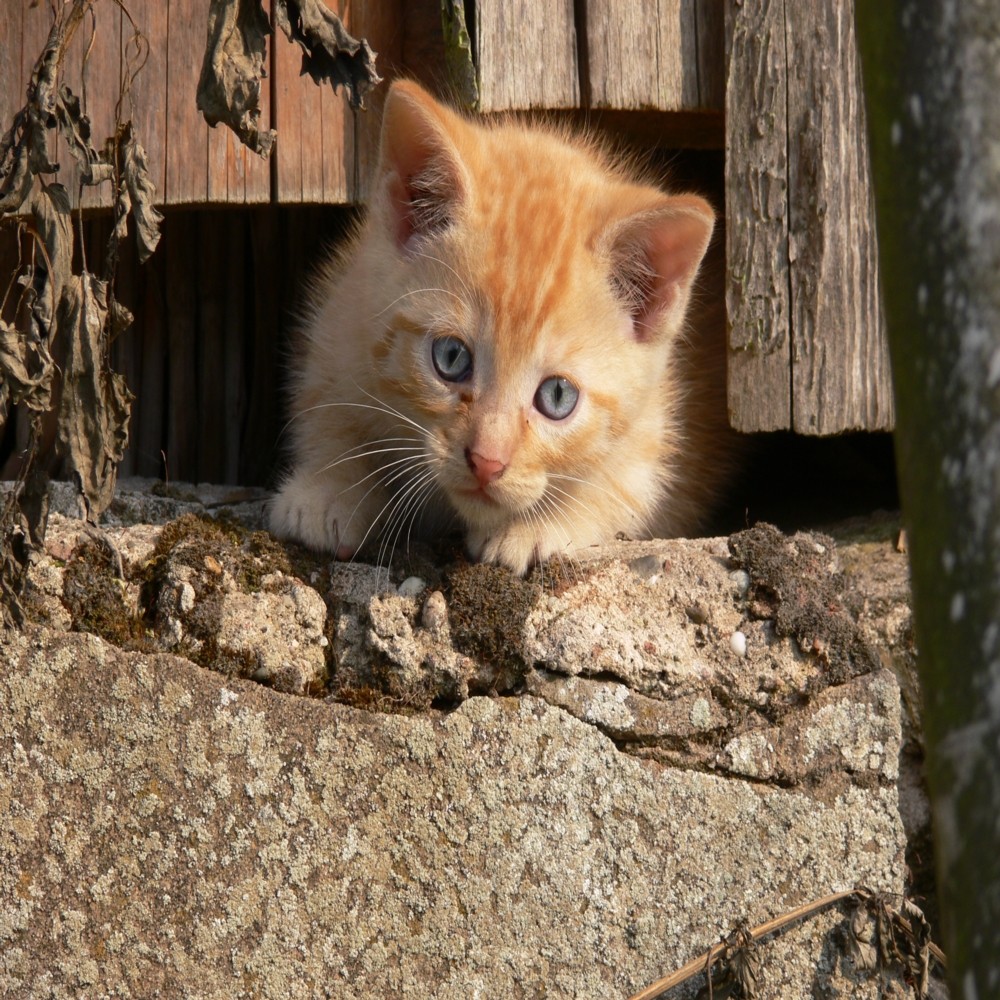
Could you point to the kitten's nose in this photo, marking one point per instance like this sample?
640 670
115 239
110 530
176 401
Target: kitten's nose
486 470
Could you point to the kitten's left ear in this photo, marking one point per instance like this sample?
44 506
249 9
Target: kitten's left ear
655 255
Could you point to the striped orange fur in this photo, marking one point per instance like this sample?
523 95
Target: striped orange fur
513 342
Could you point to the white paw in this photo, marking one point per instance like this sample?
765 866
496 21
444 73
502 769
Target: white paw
307 511
518 547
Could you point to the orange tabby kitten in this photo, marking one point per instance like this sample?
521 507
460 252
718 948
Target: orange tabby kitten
506 343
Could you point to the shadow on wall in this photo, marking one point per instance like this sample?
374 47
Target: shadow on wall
206 356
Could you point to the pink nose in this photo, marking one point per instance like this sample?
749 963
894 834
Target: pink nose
486 470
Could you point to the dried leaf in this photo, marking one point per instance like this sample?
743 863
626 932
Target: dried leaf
95 404
328 51
75 127
861 939
229 85
13 562
26 368
49 207
136 193
16 177
918 952
54 354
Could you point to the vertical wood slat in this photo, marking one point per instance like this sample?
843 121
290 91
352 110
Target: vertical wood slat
710 27
183 430
757 280
150 339
236 349
92 71
208 394
12 79
314 153
189 163
144 68
236 176
23 31
266 367
841 378
642 59
381 22
186 140
527 54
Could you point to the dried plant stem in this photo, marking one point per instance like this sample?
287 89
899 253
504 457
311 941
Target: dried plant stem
704 962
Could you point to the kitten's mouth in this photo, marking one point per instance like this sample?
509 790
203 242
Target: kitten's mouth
478 493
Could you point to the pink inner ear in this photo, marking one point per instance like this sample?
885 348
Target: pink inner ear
656 256
419 162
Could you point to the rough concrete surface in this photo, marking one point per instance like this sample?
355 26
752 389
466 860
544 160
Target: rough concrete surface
560 787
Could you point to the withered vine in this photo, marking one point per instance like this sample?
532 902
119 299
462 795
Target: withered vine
59 314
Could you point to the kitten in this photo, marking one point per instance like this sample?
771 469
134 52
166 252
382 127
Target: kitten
505 343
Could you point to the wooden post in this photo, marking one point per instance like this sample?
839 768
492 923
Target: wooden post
757 290
840 356
807 342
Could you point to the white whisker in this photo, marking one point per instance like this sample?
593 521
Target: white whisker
367 454
596 486
414 291
437 260
401 504
384 467
414 497
386 481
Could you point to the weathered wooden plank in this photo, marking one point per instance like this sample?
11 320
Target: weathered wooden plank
710 29
248 172
236 347
314 154
208 396
381 22
187 132
840 363
93 71
153 335
642 57
290 112
90 68
183 429
423 51
298 120
757 291
12 79
237 176
144 69
527 54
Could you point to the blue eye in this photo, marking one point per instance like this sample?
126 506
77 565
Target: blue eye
556 397
452 359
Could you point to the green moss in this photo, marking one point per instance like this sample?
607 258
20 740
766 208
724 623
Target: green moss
487 608
94 595
791 583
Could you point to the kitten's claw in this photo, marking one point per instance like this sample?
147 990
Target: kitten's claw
517 547
305 512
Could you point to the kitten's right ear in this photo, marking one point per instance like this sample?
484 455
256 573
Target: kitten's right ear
418 163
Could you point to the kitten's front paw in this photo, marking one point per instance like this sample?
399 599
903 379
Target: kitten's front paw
518 547
304 511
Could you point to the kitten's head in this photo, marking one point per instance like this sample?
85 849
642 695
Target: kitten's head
532 296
